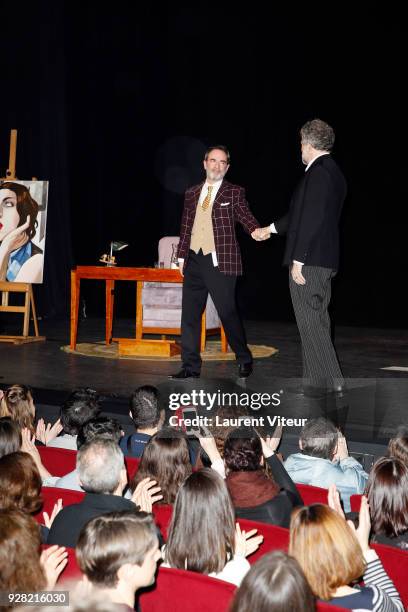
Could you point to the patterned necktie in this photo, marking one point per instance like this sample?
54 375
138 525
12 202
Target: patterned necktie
207 199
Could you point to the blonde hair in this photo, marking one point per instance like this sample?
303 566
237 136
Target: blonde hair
326 549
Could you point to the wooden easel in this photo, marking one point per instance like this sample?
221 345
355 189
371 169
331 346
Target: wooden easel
26 288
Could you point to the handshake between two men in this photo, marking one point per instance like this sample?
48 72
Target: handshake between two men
261 233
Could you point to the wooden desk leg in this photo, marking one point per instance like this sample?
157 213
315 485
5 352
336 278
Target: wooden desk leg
75 290
224 343
139 310
110 299
203 337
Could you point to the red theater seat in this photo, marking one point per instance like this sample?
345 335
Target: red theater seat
182 591
162 517
58 461
51 495
355 503
61 461
275 538
395 562
325 606
312 495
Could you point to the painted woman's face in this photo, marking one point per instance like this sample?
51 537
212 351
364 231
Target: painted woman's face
9 217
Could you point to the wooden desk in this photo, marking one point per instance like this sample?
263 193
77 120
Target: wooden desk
110 275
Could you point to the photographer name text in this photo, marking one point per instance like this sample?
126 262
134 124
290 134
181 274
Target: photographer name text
206 421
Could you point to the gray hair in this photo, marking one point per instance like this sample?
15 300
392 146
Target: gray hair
318 134
99 465
319 438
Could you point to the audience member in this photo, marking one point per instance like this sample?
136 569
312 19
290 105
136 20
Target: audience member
254 495
101 427
118 554
81 406
203 536
22 566
275 583
224 423
20 483
20 488
324 460
10 436
333 555
166 460
398 445
18 403
387 494
102 474
147 416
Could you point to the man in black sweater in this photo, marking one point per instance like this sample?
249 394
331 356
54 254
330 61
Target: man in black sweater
102 474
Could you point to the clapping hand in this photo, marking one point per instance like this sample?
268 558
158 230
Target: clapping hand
53 561
362 532
333 500
48 520
145 496
246 542
271 443
46 434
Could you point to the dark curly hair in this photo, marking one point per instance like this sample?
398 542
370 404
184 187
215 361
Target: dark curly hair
242 450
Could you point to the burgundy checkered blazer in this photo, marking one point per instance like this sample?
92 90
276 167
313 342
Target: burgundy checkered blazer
229 207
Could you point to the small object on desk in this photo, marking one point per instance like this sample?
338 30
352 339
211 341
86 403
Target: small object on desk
115 245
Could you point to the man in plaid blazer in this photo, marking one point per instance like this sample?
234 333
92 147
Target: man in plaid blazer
210 260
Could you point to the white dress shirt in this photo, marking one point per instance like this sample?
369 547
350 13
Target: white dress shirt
215 187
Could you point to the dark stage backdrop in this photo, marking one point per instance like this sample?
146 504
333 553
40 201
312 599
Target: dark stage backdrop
116 103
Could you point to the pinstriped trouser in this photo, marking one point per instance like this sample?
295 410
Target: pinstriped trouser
310 303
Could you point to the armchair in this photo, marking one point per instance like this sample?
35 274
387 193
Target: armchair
161 303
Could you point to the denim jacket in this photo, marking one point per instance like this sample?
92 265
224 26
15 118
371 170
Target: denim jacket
348 474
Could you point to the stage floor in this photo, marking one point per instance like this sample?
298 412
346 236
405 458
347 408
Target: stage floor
375 405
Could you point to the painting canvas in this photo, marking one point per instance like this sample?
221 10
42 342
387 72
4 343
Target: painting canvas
23 215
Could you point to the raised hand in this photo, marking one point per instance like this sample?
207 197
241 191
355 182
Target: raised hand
362 532
145 496
46 434
246 542
53 561
271 443
333 500
48 520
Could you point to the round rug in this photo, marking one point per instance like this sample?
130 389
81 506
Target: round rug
212 352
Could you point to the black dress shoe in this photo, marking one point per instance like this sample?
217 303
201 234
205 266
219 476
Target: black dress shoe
185 373
308 391
245 369
339 392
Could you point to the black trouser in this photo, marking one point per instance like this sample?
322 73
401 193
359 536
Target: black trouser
200 278
310 303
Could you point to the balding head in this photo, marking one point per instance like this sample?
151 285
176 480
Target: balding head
100 464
